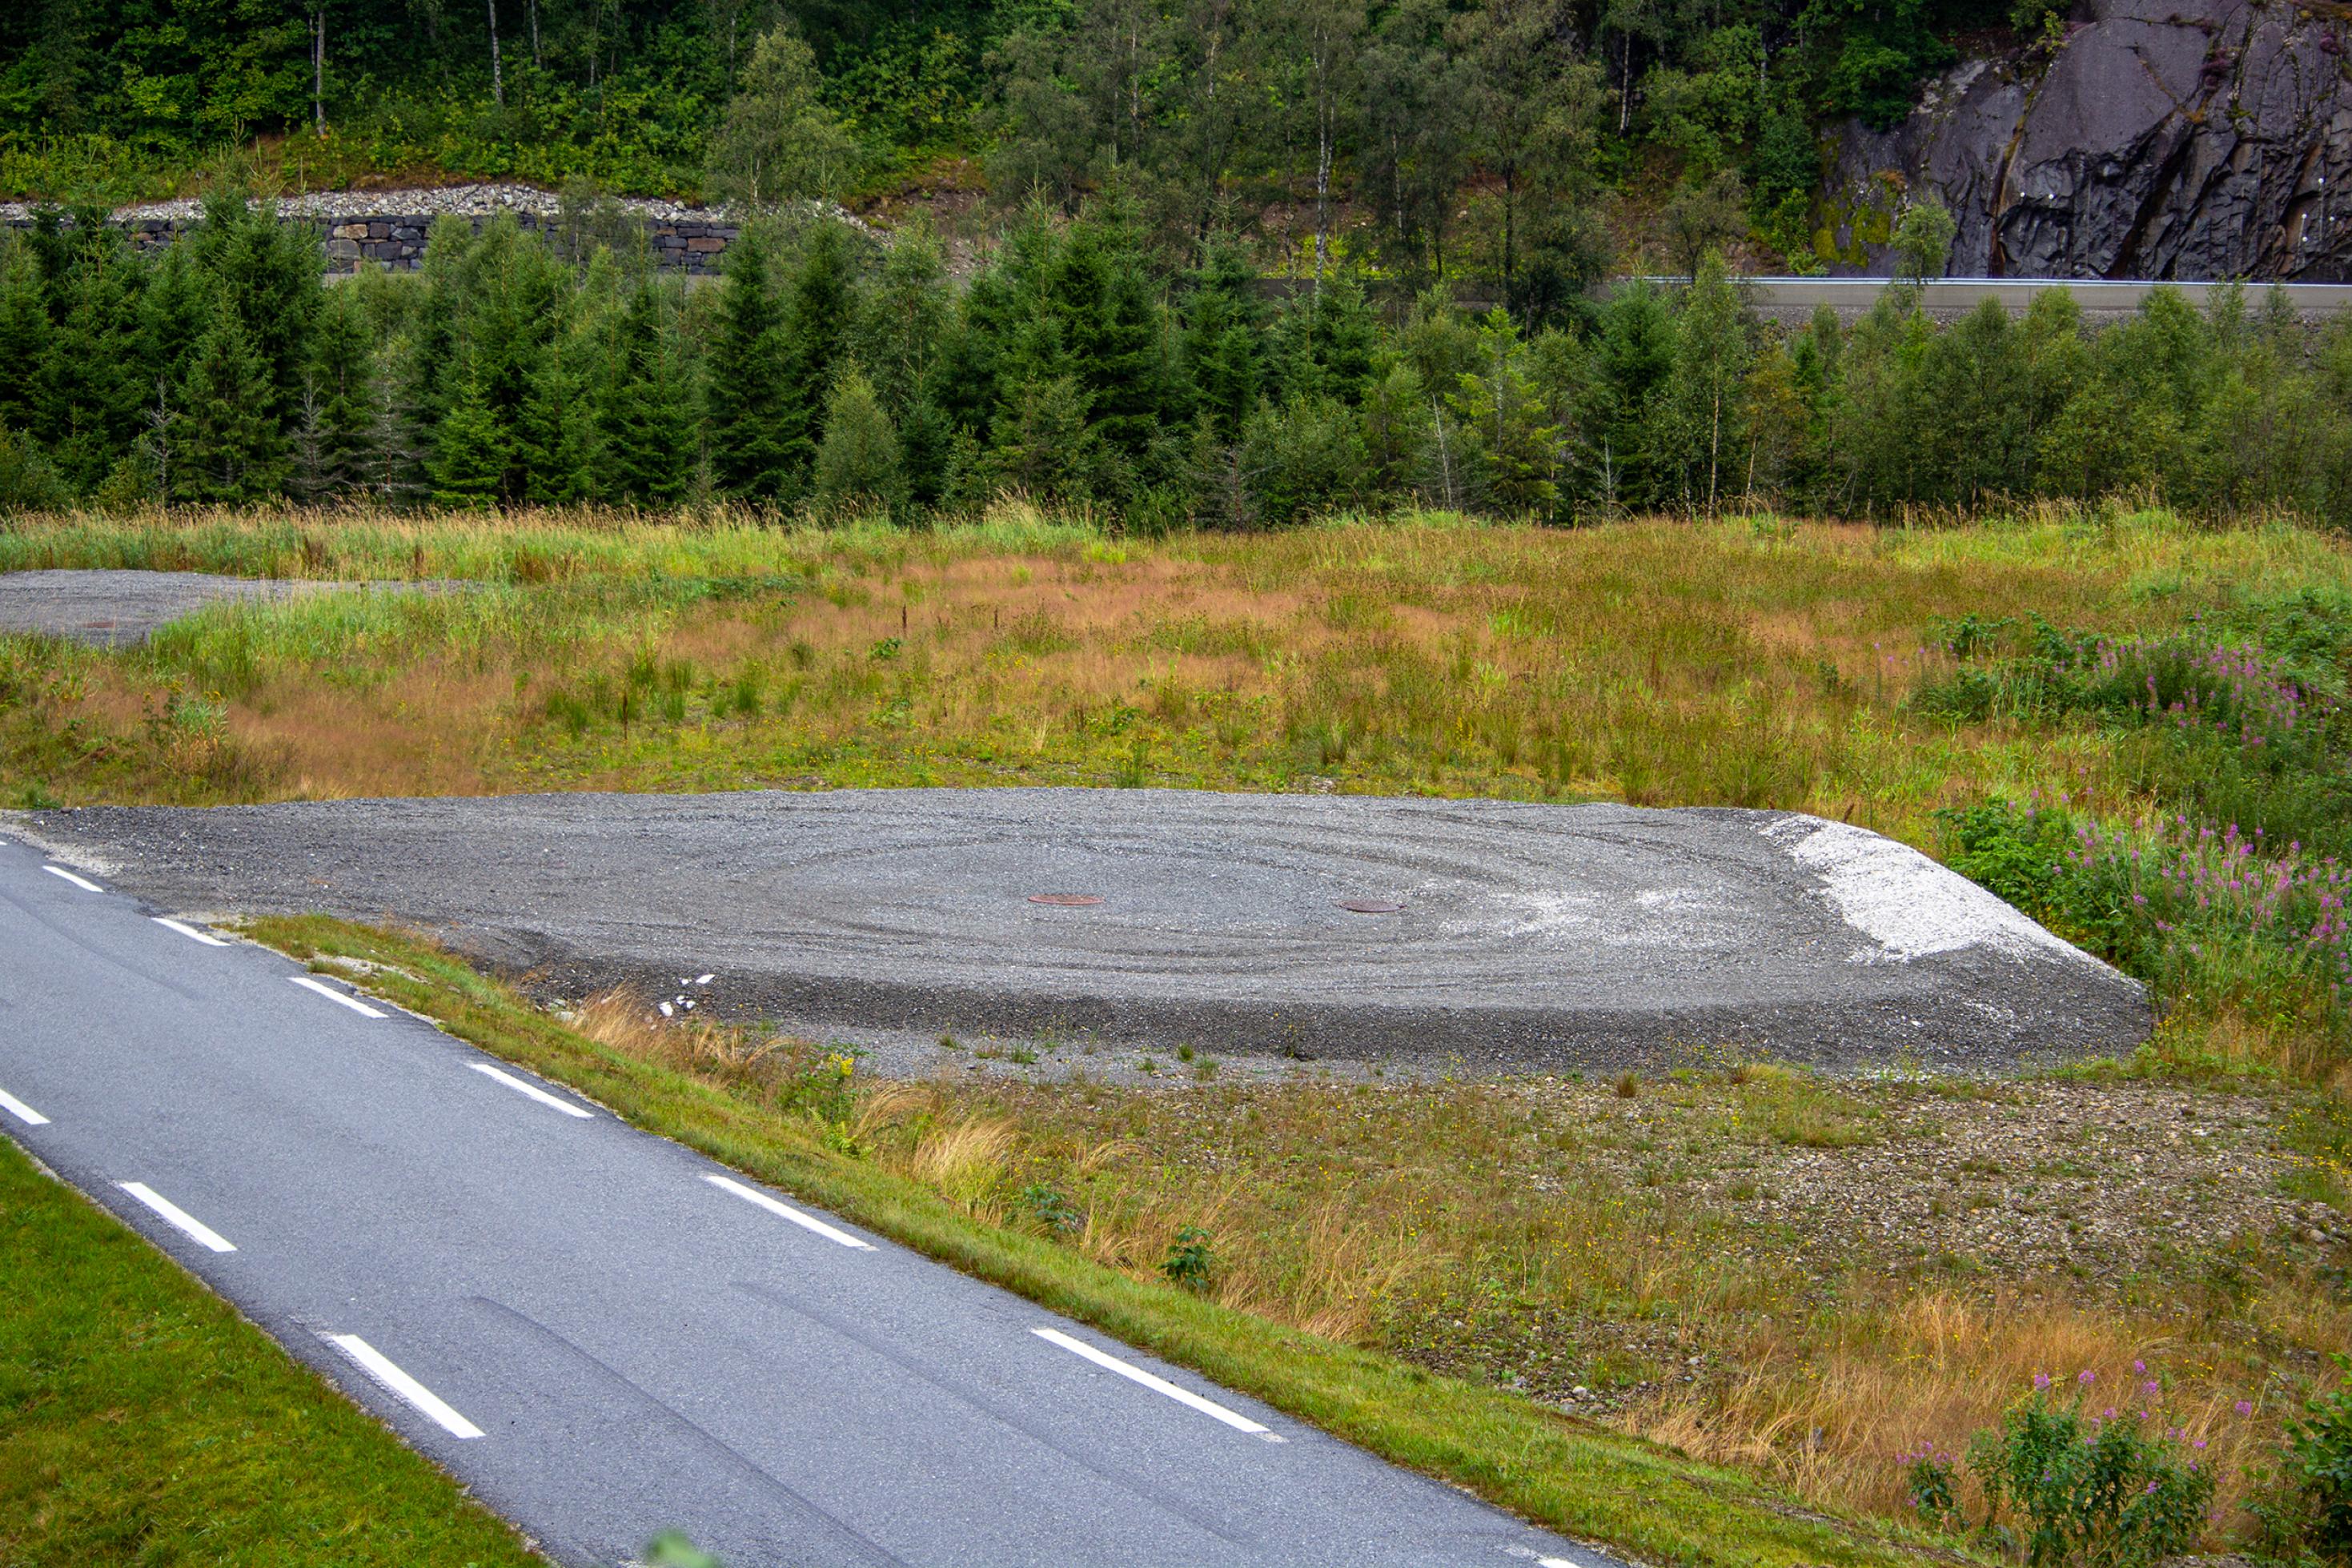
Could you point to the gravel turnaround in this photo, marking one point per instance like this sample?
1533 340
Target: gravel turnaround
1525 936
115 608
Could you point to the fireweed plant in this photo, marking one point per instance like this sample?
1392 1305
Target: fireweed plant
2234 894
2064 1488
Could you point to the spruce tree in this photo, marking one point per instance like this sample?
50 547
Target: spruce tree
558 432
648 428
1110 333
1221 349
24 335
234 447
91 399
341 401
174 312
814 329
470 453
270 274
751 406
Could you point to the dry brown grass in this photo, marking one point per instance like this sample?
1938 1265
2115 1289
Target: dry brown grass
1933 1367
1659 663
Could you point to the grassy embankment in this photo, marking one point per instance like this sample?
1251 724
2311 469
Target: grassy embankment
142 1421
1856 1267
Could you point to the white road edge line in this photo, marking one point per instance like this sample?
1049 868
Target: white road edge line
311 984
533 1090
381 1367
1133 1374
82 883
178 1219
184 929
786 1211
22 1112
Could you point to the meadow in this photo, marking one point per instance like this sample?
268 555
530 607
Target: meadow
2124 721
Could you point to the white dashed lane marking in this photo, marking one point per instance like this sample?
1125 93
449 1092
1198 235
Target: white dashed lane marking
178 1219
22 1112
332 995
82 883
533 1090
184 929
786 1211
1134 1373
410 1392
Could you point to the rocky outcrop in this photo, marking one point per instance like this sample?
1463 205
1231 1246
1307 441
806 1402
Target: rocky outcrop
2168 139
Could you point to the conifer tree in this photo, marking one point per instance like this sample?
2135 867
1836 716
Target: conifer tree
470 453
751 410
558 432
234 448
90 396
341 398
269 274
24 335
649 426
1221 349
814 333
1109 336
174 312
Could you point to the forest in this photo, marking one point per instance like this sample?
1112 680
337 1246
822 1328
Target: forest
832 374
1475 139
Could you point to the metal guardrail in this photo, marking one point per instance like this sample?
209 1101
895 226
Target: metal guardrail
1957 296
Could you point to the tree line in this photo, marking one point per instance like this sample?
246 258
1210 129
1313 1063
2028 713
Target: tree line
831 374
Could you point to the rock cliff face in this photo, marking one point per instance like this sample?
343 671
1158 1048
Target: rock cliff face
2174 138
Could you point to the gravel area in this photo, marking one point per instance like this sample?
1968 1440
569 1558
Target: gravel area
116 609
2019 1186
1487 933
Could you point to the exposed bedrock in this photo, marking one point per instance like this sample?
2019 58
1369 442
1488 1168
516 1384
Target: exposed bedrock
2170 139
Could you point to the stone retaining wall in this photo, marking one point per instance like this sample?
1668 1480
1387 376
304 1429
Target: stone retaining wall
396 240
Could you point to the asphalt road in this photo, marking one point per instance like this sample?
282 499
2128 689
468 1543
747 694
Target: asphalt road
109 607
1498 933
604 1335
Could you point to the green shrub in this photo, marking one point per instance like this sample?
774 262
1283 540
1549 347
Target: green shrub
2114 1491
1189 1262
2308 1515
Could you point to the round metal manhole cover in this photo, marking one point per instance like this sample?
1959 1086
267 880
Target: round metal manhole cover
1369 905
1065 900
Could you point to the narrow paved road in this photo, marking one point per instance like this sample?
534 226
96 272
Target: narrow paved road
604 1335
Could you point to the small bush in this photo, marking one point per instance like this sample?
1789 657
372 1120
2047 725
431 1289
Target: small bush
2307 1516
1189 1261
2112 1490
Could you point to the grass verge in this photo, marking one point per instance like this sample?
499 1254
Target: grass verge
1565 1474
142 1421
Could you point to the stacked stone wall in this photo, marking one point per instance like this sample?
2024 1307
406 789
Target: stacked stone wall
396 241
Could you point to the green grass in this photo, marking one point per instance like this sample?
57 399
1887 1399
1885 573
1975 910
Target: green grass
1553 1469
144 1422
